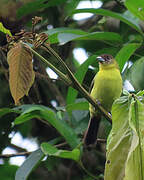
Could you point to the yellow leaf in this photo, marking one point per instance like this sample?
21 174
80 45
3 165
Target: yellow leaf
21 74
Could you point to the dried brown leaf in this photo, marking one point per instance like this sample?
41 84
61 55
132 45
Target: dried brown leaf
21 74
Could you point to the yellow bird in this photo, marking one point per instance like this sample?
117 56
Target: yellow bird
106 89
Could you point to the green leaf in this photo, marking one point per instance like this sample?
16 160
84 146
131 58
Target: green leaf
104 12
31 7
53 33
125 53
4 30
77 106
53 151
126 138
65 30
72 93
32 111
42 112
135 160
109 50
136 7
119 142
29 164
101 36
64 35
136 74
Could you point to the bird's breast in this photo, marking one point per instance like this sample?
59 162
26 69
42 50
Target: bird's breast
107 87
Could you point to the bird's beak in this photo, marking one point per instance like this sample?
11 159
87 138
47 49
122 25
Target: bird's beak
100 59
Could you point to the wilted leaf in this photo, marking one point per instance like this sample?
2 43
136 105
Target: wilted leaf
21 74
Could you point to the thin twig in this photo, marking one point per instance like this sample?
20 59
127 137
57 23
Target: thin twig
26 153
14 155
17 148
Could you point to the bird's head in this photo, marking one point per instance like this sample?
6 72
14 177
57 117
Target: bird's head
107 61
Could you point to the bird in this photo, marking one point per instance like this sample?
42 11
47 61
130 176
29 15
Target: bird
107 87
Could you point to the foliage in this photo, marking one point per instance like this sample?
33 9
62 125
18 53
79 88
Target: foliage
115 28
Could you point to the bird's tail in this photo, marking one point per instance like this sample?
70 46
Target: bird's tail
90 136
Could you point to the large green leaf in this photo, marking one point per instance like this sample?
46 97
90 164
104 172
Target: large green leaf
102 36
72 93
33 6
136 74
119 142
125 53
83 105
29 164
42 112
136 7
53 33
104 12
53 151
64 35
125 152
135 160
65 30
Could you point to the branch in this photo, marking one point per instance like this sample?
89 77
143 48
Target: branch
26 153
71 80
15 155
17 148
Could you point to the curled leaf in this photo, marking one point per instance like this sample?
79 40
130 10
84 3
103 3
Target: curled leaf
21 74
